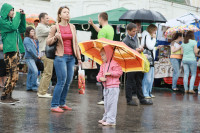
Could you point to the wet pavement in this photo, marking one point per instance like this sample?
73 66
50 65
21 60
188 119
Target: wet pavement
171 112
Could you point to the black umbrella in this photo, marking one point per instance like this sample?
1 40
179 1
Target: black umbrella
143 15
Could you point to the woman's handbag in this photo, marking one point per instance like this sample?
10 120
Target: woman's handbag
39 65
51 49
149 52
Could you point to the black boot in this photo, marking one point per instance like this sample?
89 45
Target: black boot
12 99
132 103
146 102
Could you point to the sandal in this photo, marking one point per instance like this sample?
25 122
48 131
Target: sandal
192 92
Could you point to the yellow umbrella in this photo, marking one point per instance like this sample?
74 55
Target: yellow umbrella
129 59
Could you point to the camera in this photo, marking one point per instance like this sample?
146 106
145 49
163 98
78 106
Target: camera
21 11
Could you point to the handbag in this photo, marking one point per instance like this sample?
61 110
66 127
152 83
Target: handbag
146 63
51 49
149 52
39 65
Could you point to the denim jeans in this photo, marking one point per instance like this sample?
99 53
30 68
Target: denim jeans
189 66
176 71
147 82
64 67
31 82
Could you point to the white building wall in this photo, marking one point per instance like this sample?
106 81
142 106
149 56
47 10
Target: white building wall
84 7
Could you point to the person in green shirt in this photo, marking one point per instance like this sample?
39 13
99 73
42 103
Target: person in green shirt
106 31
10 28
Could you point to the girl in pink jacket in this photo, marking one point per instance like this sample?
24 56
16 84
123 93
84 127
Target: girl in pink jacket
109 74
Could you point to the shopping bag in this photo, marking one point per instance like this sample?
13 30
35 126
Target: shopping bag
81 80
146 63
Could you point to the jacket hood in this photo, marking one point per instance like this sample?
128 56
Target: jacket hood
5 9
109 52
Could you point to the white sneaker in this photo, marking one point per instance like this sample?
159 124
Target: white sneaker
48 94
44 96
152 96
101 103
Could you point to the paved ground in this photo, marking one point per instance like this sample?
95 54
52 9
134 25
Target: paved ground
171 112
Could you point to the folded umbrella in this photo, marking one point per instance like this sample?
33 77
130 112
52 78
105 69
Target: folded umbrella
129 59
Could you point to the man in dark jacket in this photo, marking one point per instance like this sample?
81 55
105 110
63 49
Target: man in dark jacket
134 79
10 28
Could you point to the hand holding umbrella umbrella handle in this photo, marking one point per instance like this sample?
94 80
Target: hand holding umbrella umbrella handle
107 74
102 79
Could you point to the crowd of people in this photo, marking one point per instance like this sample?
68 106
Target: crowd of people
64 33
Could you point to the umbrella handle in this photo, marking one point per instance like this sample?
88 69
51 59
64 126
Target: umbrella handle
111 57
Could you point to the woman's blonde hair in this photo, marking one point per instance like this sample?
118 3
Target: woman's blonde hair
59 12
151 28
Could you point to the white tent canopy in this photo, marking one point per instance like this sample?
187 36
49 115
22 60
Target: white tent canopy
182 20
195 3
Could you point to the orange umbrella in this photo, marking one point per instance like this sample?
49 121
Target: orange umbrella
129 59
32 17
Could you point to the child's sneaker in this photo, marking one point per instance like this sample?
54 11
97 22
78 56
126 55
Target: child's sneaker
108 124
101 121
101 103
65 107
58 110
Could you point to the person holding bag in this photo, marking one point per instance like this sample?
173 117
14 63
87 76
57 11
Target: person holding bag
66 51
31 55
148 42
134 79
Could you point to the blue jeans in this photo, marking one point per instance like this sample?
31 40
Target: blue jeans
64 67
147 82
189 66
31 82
176 71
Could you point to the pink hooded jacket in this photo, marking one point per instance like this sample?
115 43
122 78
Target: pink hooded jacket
115 70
